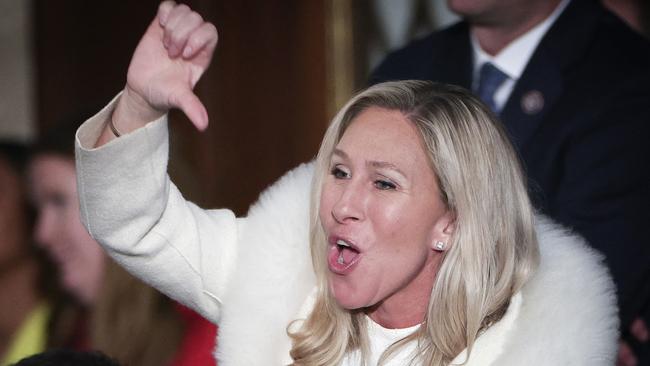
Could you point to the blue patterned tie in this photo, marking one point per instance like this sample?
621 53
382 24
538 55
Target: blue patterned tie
490 78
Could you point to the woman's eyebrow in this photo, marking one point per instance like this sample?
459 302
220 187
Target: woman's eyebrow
373 164
385 165
341 153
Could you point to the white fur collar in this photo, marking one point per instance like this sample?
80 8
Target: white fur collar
567 314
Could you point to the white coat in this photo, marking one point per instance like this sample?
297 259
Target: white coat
253 275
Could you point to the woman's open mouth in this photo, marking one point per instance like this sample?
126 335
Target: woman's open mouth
342 256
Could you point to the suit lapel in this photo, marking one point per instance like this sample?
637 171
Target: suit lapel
531 99
542 81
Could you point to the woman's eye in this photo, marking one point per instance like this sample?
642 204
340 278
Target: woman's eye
338 173
384 185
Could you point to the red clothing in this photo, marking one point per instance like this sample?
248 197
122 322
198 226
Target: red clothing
197 346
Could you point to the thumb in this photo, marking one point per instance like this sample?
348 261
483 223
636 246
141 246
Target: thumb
190 104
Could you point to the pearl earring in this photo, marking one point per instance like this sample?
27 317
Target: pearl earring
440 246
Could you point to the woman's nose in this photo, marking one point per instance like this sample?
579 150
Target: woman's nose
350 205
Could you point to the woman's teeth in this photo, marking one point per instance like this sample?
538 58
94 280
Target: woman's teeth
342 244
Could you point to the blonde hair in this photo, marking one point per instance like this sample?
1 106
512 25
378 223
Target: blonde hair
493 249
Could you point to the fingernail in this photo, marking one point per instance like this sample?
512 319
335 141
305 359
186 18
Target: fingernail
187 51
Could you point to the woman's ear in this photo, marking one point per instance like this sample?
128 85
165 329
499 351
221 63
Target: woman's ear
442 232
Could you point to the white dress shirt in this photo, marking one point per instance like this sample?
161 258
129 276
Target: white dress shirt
514 57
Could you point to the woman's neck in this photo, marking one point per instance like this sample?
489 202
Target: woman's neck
409 306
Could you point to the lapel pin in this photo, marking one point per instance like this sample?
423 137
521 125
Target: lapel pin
532 102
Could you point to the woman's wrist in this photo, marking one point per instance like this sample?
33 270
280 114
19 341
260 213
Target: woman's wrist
133 112
130 113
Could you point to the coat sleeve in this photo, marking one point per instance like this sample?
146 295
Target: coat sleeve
130 206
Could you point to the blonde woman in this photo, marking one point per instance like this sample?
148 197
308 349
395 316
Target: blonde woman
410 240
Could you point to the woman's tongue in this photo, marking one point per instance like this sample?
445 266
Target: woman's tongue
346 255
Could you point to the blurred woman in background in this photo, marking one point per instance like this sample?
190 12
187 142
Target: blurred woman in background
24 310
118 314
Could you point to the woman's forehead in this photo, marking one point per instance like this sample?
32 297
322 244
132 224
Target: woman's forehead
385 137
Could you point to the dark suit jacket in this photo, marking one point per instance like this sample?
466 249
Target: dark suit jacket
587 151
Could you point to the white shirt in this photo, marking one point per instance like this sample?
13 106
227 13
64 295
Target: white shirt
514 57
380 339
487 347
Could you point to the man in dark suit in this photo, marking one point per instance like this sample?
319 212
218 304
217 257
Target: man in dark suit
572 86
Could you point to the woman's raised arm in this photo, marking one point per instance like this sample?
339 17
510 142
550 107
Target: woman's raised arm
127 201
172 55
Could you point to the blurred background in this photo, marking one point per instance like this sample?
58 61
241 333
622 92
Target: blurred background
281 70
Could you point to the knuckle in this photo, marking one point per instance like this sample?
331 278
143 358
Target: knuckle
194 42
195 18
211 31
168 4
182 8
